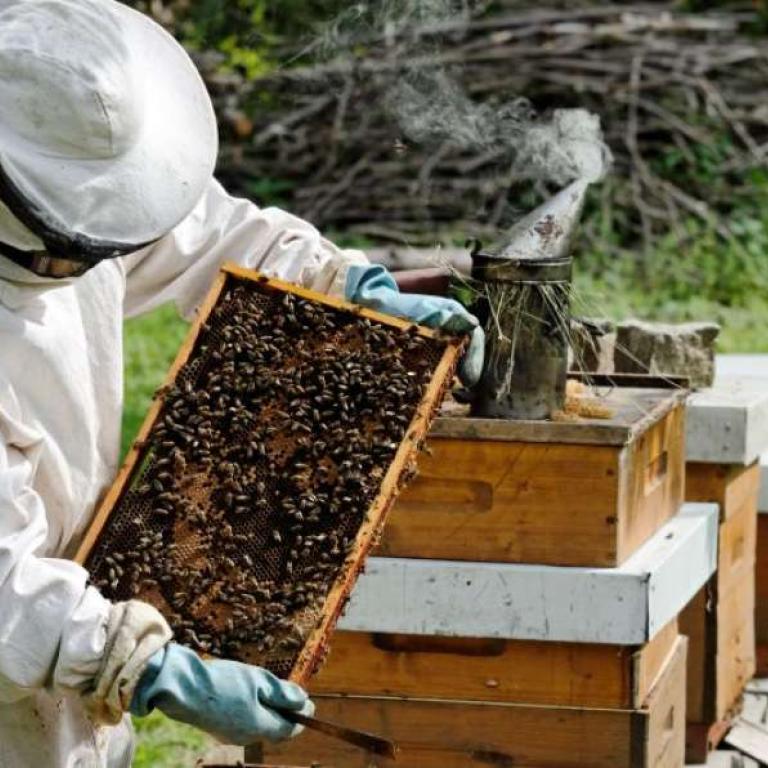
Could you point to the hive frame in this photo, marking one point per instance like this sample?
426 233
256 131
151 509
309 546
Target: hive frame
397 475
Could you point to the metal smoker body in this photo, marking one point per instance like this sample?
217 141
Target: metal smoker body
526 311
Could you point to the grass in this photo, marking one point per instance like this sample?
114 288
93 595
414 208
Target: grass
151 344
744 325
162 743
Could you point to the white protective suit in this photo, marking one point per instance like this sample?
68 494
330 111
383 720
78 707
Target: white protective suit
61 397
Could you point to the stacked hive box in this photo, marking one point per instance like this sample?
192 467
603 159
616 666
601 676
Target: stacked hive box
761 607
524 610
727 430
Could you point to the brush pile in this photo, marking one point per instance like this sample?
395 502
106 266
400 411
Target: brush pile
681 97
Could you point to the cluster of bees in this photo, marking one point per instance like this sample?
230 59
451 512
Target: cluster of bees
259 472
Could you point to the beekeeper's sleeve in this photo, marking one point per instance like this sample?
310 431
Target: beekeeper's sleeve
182 266
56 632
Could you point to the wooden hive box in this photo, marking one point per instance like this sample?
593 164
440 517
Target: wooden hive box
720 621
458 642
460 734
572 494
584 675
728 427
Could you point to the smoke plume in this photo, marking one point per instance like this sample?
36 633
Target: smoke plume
423 92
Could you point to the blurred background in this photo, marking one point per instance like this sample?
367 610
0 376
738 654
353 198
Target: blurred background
415 123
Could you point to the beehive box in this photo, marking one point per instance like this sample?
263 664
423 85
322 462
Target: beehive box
550 493
584 675
461 734
266 467
720 621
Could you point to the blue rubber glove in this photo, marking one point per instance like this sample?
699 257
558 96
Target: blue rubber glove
372 286
227 699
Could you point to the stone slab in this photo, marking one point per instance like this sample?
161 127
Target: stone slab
728 424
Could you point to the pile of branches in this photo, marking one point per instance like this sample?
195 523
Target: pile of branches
681 97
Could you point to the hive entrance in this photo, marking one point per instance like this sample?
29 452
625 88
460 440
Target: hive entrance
248 503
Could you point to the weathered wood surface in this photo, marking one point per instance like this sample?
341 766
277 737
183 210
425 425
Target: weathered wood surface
435 734
549 504
701 739
729 485
523 672
636 409
722 656
721 661
736 661
720 622
761 597
627 605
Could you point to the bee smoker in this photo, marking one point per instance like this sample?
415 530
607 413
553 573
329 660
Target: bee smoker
526 312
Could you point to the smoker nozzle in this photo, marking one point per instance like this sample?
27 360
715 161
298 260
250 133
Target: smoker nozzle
546 233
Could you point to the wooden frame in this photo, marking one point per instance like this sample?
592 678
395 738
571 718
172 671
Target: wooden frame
315 647
637 410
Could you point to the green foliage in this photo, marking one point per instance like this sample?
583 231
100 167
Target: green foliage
162 743
266 191
744 328
248 32
692 273
696 263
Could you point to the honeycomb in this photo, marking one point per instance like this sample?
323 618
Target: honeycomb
246 504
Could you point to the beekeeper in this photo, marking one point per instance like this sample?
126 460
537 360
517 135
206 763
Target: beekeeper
108 209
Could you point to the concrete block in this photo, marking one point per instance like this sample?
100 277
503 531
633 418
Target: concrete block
617 606
728 424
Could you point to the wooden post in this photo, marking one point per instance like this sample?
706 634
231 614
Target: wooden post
761 579
720 622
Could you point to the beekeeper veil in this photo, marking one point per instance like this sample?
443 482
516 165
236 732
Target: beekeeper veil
107 134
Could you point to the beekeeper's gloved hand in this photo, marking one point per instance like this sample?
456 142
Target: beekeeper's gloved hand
229 700
371 285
